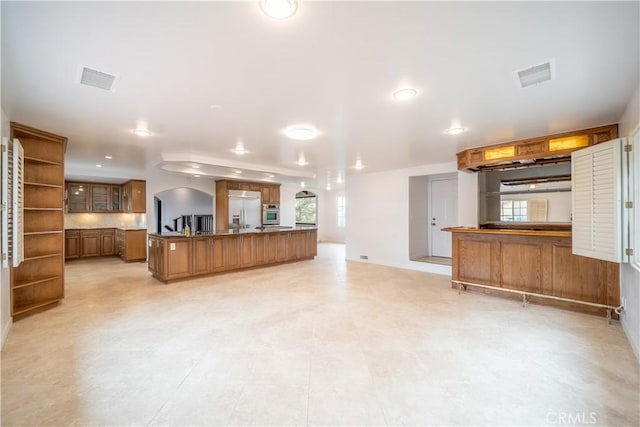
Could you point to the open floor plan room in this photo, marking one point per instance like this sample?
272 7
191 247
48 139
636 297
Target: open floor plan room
317 342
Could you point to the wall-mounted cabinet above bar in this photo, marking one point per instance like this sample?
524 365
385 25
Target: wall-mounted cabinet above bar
548 149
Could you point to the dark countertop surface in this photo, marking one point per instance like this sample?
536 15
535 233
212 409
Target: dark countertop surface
170 234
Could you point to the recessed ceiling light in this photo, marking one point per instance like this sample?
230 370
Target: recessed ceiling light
301 133
197 176
404 94
195 166
279 9
302 184
269 175
328 187
141 132
455 130
359 164
215 107
108 157
238 171
339 179
98 166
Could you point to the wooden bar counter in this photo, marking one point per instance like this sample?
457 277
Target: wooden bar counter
173 256
536 262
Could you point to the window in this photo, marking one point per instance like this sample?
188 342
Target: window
514 210
340 211
306 208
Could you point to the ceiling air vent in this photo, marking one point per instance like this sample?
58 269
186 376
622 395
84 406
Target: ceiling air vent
536 74
98 79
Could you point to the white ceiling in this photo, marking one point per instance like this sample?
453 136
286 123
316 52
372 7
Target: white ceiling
333 65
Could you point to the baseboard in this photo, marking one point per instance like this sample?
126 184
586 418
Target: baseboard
5 332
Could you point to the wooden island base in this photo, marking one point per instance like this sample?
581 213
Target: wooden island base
174 257
532 266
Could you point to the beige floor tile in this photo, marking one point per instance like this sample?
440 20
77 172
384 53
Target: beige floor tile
271 405
323 342
344 405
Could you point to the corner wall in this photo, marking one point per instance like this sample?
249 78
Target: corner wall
378 216
630 276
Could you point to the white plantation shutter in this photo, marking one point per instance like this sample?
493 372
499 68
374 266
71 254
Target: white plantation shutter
597 201
5 202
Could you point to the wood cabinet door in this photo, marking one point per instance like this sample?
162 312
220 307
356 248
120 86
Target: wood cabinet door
201 247
259 249
179 258
246 251
216 255
138 197
89 243
72 245
78 197
282 253
275 195
107 246
271 248
100 197
232 252
116 199
311 243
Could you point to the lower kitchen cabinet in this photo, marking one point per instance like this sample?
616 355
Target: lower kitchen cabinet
71 244
130 245
176 257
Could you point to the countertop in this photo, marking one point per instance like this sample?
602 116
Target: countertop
104 228
539 233
170 234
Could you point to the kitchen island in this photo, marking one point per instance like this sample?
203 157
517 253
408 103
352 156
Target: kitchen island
536 264
173 256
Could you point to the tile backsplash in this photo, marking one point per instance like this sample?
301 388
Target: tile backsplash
105 220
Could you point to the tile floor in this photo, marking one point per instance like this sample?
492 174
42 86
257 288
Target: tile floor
323 342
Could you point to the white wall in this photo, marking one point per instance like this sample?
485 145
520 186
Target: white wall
159 180
418 216
328 231
378 220
5 296
629 276
184 201
467 199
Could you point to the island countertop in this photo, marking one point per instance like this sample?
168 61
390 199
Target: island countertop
175 256
509 232
231 232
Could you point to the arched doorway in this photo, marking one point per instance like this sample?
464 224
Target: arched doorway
179 207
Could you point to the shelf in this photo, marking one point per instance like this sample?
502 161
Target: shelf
35 233
37 160
19 285
31 258
42 209
551 190
39 184
21 310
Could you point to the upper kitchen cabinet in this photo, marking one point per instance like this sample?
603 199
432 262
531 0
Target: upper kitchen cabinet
84 197
134 196
554 149
271 194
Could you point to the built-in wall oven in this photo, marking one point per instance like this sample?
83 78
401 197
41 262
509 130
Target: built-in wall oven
270 214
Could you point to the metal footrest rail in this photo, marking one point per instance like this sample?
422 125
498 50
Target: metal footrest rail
525 297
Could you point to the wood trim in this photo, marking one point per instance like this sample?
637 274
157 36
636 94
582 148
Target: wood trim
534 233
18 130
473 159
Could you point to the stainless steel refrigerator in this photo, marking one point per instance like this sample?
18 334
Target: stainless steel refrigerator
244 209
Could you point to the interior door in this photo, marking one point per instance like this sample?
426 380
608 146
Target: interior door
444 213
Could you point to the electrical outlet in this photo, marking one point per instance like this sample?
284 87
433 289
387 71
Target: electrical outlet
364 256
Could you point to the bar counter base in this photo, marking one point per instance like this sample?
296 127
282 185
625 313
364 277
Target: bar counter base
537 264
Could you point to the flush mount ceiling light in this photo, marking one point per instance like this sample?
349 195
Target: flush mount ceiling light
301 133
279 9
142 132
455 130
404 94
